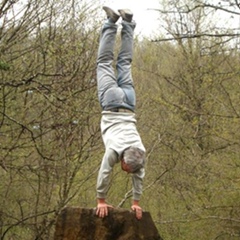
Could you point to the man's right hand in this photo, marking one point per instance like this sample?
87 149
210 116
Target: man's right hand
102 208
137 209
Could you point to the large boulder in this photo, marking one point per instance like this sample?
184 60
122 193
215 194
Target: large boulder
83 224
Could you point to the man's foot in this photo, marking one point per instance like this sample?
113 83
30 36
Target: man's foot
114 16
126 14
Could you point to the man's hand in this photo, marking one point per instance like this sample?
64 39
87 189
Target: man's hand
137 209
102 208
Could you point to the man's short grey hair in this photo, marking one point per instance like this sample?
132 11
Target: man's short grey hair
134 158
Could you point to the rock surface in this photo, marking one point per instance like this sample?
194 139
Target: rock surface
82 224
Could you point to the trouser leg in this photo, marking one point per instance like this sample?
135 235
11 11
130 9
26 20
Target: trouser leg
105 72
124 77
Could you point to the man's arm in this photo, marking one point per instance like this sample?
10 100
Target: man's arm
137 180
109 159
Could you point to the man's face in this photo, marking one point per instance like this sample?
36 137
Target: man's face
125 167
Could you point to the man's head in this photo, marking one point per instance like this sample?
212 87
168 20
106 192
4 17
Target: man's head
133 160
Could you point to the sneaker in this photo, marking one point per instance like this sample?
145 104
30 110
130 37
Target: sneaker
114 16
126 14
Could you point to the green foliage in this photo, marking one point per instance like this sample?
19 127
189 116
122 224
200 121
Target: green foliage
49 115
189 122
4 66
51 148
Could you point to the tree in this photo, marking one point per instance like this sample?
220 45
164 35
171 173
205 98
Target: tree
49 113
190 86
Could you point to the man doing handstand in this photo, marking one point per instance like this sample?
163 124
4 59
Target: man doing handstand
117 98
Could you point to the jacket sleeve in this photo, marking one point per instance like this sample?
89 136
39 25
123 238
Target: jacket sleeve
137 181
109 159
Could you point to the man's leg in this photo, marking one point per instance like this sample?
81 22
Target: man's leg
124 60
105 72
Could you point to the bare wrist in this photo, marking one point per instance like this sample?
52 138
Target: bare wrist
135 202
101 200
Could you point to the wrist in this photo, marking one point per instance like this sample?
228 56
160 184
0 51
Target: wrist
135 202
101 200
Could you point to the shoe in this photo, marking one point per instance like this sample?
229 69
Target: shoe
114 16
126 14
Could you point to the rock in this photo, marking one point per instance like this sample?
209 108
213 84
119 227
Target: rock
82 224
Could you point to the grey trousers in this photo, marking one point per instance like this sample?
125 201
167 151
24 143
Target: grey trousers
116 90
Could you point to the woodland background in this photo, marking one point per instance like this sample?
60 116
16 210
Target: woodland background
187 81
